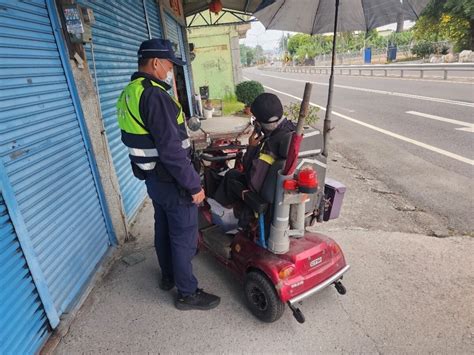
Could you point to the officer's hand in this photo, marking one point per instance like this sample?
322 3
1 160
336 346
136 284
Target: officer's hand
199 197
255 138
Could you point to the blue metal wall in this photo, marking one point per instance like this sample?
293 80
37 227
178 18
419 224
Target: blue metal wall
23 322
118 32
47 170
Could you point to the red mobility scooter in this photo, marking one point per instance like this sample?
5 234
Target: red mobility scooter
278 260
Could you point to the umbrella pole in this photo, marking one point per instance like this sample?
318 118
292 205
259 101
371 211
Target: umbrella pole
327 117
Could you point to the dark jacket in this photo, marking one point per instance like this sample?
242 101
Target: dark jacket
158 112
256 161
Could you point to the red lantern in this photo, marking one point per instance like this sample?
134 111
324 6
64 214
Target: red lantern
215 6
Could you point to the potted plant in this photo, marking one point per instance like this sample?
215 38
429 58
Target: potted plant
292 112
247 92
208 110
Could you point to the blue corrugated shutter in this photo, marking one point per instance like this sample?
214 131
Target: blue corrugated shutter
175 35
172 33
187 68
154 19
44 154
23 323
119 29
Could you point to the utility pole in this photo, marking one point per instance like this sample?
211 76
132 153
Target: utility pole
400 18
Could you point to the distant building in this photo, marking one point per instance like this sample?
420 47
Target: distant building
217 64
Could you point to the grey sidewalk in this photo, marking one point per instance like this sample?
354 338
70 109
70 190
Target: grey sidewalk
407 292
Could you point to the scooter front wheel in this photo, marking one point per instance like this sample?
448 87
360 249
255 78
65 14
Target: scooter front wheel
262 298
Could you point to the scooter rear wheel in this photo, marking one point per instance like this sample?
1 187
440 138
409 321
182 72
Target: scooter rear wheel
262 298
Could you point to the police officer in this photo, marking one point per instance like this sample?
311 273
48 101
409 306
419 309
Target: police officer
153 128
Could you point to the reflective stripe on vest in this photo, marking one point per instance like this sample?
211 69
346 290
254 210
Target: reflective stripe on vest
266 158
137 152
185 143
146 166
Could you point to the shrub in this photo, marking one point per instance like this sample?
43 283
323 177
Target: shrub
247 91
292 112
443 49
423 49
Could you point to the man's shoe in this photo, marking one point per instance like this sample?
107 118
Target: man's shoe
166 284
199 300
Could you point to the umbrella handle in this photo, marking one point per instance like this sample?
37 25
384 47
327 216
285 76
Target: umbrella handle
294 147
304 108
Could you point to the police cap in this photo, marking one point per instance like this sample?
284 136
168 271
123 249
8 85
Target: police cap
158 48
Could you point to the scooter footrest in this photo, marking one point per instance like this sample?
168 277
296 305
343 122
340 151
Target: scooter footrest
217 241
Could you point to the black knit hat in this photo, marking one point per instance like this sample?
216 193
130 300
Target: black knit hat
266 107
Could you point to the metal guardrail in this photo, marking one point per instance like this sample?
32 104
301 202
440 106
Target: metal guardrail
377 68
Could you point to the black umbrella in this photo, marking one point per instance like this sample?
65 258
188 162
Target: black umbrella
323 16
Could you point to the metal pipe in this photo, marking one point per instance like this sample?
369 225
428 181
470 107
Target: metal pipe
321 286
300 209
146 20
327 117
261 221
279 241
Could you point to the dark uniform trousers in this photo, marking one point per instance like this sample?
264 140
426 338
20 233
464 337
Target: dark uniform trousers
176 233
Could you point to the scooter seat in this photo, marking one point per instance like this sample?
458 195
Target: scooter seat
255 201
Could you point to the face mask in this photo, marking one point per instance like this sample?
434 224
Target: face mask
169 76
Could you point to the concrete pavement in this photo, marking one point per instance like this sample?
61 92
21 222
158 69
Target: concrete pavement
407 292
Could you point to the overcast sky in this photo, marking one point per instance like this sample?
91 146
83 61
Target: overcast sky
258 35
269 39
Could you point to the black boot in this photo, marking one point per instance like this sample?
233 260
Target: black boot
166 284
198 300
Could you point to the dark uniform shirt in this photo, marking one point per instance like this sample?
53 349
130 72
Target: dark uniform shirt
158 112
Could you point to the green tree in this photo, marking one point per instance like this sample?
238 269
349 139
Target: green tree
247 55
448 19
297 41
243 54
259 53
250 56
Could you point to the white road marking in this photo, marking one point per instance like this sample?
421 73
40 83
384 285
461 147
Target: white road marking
384 131
466 129
311 161
345 109
469 127
310 134
382 92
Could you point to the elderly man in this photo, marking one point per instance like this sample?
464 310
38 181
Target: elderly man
271 128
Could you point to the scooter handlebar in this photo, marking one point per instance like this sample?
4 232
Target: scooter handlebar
208 157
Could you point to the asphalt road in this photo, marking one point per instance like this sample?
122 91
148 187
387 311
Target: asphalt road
416 136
